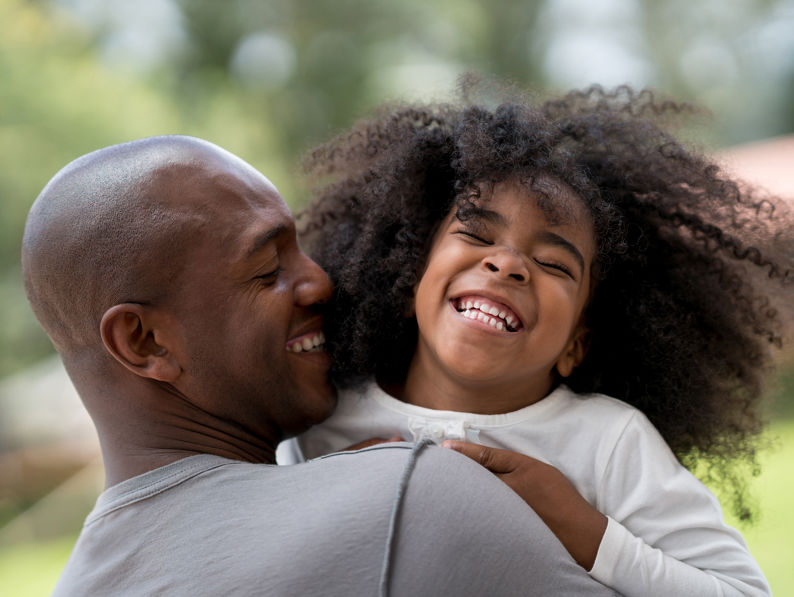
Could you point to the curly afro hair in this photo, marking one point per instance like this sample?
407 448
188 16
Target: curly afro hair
689 264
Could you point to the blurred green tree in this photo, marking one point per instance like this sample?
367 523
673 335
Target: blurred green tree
269 79
58 100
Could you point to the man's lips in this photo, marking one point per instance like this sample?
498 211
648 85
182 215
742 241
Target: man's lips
489 311
308 336
309 342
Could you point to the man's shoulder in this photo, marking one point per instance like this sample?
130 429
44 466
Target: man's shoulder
432 477
423 503
431 474
430 459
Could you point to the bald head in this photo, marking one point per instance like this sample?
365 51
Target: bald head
108 229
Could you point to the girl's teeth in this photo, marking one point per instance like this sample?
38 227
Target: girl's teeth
481 312
306 343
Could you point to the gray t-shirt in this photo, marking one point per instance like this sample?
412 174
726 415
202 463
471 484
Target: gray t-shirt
206 525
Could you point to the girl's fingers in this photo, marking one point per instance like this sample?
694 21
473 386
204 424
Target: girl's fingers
497 461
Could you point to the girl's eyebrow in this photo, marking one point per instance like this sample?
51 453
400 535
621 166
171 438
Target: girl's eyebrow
488 215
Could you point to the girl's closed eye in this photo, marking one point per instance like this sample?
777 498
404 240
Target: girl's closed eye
474 234
556 265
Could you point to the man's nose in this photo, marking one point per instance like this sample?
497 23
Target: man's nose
314 285
505 262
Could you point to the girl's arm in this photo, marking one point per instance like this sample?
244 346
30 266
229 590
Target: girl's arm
705 556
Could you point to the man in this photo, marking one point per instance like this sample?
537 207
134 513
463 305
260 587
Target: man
167 273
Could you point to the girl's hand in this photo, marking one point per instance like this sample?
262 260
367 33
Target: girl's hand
577 525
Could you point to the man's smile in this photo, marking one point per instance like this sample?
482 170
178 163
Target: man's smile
309 342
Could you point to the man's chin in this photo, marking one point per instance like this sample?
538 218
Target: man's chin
319 408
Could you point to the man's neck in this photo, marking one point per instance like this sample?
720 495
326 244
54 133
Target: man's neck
124 463
149 438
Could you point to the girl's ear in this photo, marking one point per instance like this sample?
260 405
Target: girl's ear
574 352
140 339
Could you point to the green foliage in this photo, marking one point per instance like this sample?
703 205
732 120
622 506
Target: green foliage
780 396
57 102
318 65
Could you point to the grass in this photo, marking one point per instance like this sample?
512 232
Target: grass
770 539
31 569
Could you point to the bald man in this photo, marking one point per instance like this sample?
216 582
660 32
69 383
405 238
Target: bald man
167 273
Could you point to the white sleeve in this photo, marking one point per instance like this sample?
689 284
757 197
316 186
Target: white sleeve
666 534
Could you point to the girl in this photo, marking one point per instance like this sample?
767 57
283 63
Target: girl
569 282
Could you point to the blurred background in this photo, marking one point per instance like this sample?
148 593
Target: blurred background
267 79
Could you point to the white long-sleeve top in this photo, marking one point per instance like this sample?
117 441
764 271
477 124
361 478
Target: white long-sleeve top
665 533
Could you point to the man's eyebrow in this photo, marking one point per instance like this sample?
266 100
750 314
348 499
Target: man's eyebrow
560 241
264 238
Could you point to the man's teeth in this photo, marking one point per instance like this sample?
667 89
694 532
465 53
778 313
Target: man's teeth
308 344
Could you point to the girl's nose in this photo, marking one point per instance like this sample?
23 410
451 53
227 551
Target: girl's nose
507 263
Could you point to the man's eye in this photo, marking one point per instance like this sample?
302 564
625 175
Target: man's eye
270 276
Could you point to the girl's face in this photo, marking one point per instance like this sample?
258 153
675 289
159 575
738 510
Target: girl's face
500 304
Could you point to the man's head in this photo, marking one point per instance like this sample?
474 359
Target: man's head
170 266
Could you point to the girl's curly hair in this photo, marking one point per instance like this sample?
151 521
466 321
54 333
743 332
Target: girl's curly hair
688 262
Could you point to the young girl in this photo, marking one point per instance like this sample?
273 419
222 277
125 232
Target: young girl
569 282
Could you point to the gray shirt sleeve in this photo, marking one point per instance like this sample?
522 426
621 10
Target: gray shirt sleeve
463 532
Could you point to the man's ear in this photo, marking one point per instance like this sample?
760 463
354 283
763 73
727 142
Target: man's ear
574 352
139 339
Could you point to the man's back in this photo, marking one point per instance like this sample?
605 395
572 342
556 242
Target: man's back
206 525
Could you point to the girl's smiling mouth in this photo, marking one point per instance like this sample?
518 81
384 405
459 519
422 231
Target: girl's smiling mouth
490 312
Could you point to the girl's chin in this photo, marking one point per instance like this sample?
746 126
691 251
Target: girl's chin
476 376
